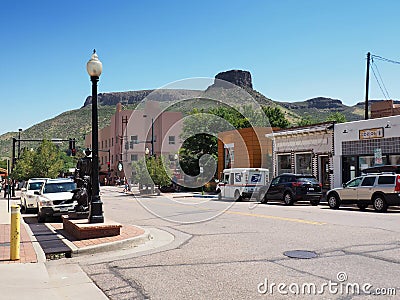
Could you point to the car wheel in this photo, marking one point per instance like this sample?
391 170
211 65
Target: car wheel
23 208
288 198
40 217
379 203
314 202
362 206
262 196
237 196
333 201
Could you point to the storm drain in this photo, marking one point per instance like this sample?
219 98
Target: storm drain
302 254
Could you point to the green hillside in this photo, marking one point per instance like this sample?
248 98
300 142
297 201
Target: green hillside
71 124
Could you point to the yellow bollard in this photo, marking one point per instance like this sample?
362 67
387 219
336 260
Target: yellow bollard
15 233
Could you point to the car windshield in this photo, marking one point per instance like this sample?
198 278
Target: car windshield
35 186
354 183
307 179
59 187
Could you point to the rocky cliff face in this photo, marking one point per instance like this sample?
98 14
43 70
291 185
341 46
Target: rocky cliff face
322 103
116 97
133 97
317 103
237 77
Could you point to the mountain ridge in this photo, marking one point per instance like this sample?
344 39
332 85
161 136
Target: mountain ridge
77 122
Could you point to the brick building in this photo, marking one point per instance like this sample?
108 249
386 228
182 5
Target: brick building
384 108
131 132
244 148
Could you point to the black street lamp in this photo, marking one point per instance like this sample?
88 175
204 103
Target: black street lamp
94 68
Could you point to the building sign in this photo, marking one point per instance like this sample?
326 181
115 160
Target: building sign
378 156
372 133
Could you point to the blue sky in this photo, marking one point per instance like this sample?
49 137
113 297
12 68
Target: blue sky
295 50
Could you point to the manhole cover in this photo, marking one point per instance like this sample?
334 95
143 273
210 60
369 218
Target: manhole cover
300 254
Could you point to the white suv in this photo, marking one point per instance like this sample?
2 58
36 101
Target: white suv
381 190
55 198
27 201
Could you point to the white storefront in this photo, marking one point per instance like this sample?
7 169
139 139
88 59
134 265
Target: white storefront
362 144
304 150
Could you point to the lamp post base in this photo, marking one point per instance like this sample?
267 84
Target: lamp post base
96 211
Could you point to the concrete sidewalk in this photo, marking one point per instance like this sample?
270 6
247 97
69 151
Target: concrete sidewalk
33 276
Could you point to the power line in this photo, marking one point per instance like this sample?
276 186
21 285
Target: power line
385 91
376 78
385 59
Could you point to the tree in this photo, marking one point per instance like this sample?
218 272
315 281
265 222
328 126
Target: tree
306 120
201 128
336 117
24 167
151 171
46 162
276 117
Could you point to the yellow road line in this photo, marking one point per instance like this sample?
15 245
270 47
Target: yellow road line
274 217
250 214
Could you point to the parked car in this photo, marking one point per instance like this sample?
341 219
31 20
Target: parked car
380 190
55 198
382 168
291 188
27 200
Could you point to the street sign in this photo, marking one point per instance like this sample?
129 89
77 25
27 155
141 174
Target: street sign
378 156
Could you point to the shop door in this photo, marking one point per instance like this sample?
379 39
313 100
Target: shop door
325 172
349 167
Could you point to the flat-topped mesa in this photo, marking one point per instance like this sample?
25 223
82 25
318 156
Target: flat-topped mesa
236 77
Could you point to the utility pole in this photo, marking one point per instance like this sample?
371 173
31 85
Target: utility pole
367 85
152 137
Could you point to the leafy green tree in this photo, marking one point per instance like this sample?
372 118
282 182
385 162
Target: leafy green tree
152 171
201 128
276 117
24 167
48 161
307 120
337 117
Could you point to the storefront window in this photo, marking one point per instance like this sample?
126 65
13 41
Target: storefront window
229 157
303 163
394 159
284 164
369 161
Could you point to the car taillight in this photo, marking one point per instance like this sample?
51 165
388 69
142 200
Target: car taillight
294 184
397 188
320 185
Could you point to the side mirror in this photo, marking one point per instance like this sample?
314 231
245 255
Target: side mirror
36 192
344 185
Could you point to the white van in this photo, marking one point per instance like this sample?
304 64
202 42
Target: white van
241 183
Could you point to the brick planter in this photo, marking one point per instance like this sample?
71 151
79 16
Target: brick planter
82 229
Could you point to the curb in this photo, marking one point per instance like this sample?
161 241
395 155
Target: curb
117 245
40 256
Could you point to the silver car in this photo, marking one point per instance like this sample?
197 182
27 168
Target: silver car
27 201
380 190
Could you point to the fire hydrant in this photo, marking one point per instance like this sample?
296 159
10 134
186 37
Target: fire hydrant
15 233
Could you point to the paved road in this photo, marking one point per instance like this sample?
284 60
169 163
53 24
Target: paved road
235 251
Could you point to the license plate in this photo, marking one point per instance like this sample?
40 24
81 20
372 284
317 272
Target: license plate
63 209
310 189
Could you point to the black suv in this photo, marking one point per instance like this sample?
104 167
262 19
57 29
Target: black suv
291 188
